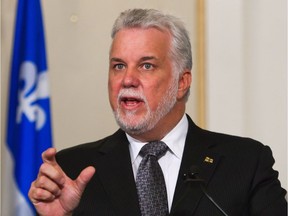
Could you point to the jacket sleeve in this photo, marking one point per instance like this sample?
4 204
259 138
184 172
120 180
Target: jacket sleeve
267 196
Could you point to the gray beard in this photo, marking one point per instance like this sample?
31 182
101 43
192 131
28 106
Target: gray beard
149 121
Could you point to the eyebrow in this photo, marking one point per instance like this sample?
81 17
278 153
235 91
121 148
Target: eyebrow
116 60
145 58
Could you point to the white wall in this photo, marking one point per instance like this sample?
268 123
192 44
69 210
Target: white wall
247 72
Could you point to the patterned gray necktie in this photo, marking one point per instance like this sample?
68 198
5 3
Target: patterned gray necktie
150 181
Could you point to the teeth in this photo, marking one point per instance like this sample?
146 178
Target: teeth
132 102
130 99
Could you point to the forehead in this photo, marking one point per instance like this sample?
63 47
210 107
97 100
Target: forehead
143 29
141 38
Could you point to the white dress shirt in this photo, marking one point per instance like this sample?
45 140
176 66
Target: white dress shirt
171 161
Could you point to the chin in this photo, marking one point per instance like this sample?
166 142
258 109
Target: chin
131 125
135 127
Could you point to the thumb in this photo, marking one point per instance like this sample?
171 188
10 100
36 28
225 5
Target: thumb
84 177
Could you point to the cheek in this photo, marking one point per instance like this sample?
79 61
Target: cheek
113 90
154 94
162 91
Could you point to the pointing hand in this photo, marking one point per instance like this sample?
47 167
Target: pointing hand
53 193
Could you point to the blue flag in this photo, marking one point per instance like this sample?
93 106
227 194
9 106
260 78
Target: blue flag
29 126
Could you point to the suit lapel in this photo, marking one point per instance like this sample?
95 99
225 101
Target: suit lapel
198 152
116 174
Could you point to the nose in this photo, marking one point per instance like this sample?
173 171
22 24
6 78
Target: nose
130 79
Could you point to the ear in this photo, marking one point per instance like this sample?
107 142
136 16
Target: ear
184 84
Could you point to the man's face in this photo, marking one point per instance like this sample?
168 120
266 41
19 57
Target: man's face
142 86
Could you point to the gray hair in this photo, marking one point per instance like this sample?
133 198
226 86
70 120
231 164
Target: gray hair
150 18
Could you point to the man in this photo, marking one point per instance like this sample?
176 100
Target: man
149 82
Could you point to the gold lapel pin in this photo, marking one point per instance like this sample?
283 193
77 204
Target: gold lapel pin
208 159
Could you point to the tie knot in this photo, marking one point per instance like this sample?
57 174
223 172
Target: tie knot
155 148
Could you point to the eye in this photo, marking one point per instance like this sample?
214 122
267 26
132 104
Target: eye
147 66
119 66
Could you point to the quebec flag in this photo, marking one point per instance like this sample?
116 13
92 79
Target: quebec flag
29 126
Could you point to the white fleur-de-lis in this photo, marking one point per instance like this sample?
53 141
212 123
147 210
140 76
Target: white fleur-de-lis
35 87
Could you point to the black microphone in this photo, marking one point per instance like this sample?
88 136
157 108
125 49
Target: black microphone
192 176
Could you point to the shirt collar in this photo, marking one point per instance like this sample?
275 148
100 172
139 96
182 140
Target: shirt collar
175 140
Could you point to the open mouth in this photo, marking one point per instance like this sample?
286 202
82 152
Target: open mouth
130 102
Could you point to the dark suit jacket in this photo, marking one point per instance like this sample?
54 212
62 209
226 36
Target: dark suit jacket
237 171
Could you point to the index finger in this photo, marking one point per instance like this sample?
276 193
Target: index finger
48 156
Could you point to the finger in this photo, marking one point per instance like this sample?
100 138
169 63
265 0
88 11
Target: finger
48 156
84 177
47 184
38 194
54 173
